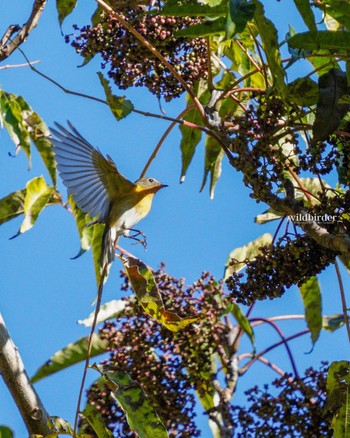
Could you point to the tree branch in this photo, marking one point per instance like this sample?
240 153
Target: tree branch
16 379
8 44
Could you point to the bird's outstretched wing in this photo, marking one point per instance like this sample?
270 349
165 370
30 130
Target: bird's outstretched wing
93 180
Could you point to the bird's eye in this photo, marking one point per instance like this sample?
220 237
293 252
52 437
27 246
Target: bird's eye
151 180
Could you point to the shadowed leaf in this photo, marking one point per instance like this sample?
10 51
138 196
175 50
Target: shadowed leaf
94 418
243 323
332 323
141 416
6 432
311 296
64 8
213 158
338 397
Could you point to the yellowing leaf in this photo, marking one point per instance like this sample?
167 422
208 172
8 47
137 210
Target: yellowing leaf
174 322
148 295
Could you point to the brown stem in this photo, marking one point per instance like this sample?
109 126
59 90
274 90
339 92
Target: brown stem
8 44
343 298
17 381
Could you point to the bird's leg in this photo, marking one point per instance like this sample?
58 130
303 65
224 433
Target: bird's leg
136 235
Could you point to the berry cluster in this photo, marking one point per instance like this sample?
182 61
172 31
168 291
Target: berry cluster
297 410
169 366
130 63
278 267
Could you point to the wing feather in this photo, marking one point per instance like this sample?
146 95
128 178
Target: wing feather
93 180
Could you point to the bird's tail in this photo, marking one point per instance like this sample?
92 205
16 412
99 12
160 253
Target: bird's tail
108 246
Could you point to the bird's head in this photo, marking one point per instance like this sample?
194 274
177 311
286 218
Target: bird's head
149 184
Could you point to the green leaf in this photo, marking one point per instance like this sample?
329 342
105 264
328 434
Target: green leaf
64 8
306 13
303 92
243 323
268 216
94 418
332 323
6 432
37 196
192 8
12 205
70 355
213 158
12 118
269 39
23 124
338 398
140 414
323 39
339 10
59 426
85 230
96 250
311 295
209 27
239 13
189 140
237 258
109 310
119 106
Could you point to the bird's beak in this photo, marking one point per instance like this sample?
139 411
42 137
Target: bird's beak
162 186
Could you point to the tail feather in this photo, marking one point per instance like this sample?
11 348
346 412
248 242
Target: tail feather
108 248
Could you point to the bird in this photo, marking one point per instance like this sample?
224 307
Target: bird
99 189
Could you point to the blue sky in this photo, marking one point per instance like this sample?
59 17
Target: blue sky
44 293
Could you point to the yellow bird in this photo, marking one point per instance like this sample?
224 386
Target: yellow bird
99 189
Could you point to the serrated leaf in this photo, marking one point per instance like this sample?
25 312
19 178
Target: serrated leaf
243 323
140 414
213 159
149 297
332 323
109 310
338 397
237 257
94 418
311 296
64 8
70 355
6 432
37 196
270 44
119 105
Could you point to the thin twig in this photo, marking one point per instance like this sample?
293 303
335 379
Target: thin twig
280 333
164 136
88 353
343 298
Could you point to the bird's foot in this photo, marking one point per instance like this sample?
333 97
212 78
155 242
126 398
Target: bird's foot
136 236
